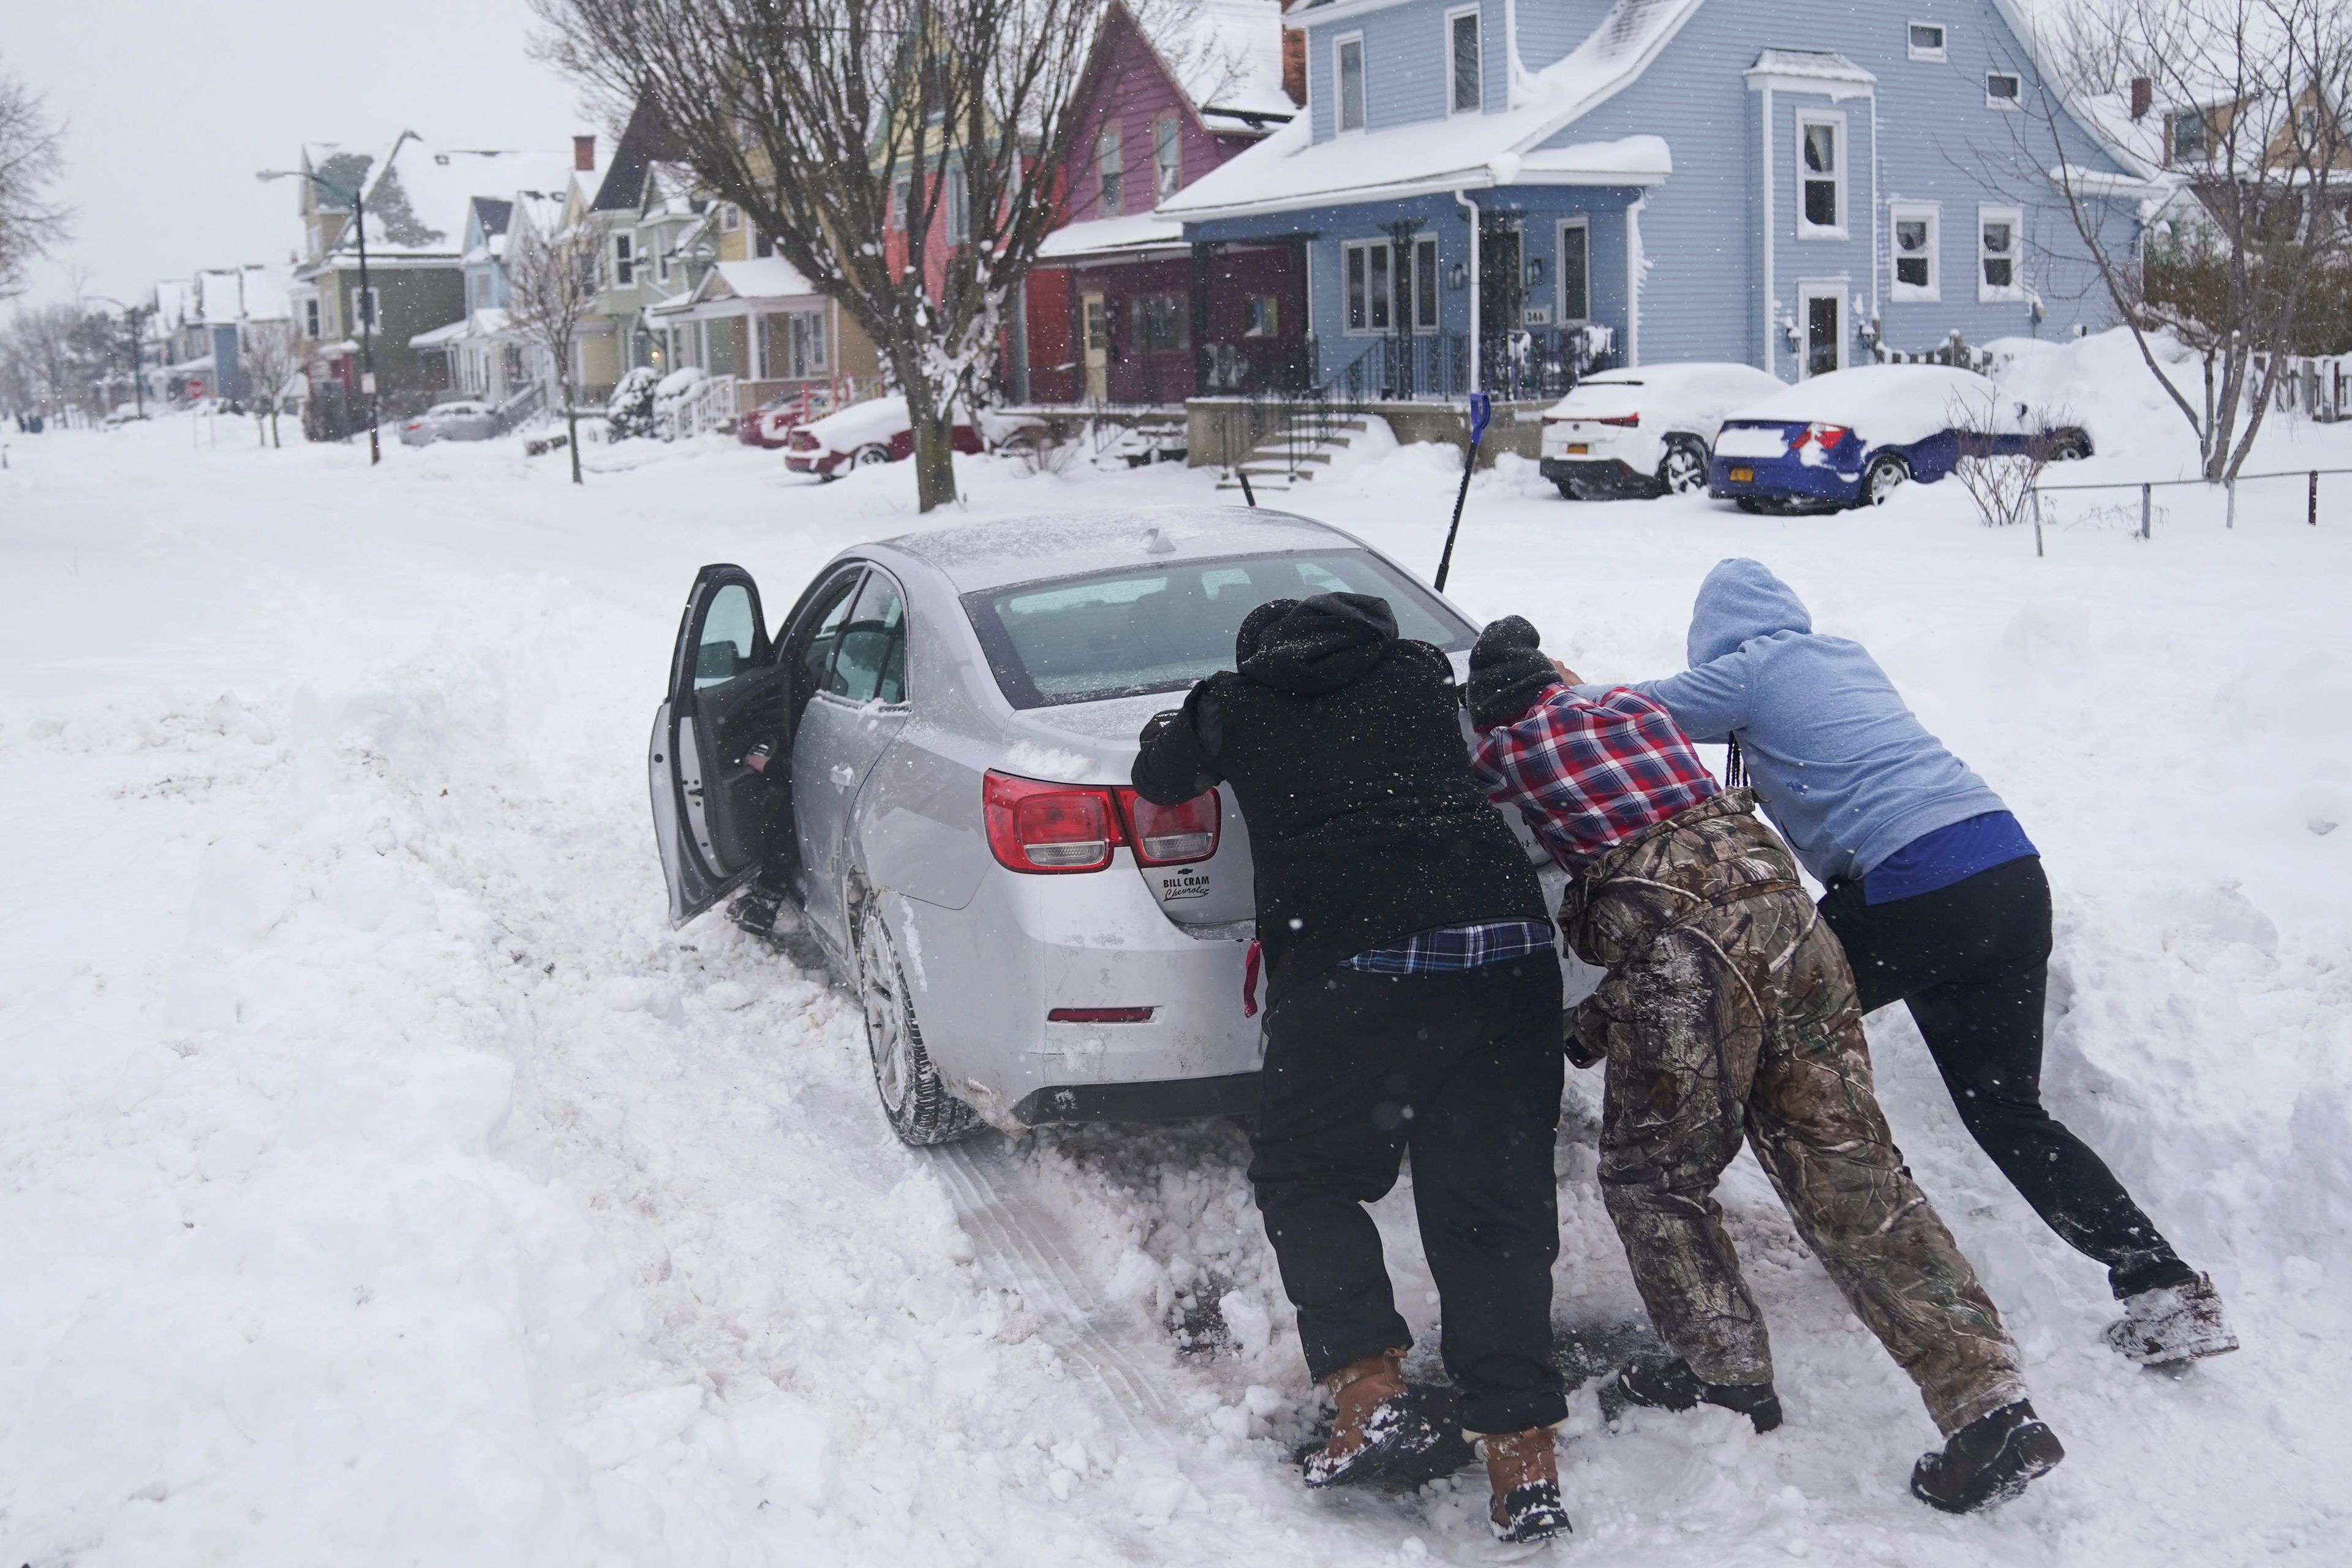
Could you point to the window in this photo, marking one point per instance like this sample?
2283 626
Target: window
1110 171
1370 291
1916 243
1821 175
1926 40
958 201
367 309
763 244
1167 157
1348 70
1466 79
1575 270
2004 90
1157 324
2000 233
2188 135
662 256
870 663
1425 283
624 264
478 289
902 201
730 218
1261 317
310 319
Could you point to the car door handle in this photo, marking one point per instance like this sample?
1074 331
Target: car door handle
842 776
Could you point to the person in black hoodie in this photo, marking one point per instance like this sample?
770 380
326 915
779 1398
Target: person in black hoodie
1414 1002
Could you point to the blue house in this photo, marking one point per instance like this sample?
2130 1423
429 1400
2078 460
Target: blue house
1505 193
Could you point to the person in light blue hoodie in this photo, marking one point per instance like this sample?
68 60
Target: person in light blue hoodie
1940 902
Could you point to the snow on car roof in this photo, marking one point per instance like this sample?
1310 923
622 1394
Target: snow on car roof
1883 402
1022 550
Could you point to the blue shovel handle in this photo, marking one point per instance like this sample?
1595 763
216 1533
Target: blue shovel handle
1482 410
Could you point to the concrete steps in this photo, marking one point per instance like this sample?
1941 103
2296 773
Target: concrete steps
1279 462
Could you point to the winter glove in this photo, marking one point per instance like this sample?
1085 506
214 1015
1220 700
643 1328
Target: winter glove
1172 762
1507 672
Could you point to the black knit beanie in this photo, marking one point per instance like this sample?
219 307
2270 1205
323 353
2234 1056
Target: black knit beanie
1507 672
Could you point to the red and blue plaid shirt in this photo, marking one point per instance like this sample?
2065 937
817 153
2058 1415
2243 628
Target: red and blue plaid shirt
1588 773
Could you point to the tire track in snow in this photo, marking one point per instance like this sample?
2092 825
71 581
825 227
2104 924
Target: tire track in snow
1020 1244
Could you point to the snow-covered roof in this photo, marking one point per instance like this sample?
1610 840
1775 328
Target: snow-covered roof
764 278
1290 171
1229 60
475 324
417 194
1135 232
1810 66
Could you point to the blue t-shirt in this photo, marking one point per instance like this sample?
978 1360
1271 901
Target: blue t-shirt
1946 855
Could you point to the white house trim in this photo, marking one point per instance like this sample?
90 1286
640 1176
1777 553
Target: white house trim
1771 230
1633 264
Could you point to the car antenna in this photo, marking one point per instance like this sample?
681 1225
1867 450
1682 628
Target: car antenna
1481 409
1157 543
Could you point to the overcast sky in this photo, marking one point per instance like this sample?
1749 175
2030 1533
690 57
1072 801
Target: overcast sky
172 104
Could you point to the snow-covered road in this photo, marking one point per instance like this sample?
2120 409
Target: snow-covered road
384 1181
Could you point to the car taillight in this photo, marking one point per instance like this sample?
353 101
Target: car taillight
804 442
1622 421
1098 1016
1822 435
1173 835
1048 828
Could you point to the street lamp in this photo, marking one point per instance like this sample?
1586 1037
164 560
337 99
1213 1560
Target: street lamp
357 195
138 378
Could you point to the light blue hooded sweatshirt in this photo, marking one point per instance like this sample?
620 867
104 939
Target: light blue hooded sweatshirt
1841 767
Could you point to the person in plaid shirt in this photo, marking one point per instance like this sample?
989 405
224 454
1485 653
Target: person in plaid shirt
1729 1010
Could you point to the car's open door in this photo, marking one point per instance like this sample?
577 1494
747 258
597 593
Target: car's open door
715 817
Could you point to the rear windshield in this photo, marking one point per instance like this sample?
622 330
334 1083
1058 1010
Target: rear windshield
1118 634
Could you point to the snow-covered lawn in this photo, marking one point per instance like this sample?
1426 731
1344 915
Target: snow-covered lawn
386 1183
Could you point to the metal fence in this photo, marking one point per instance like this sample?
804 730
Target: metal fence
2148 489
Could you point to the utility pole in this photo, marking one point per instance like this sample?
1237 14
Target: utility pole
357 197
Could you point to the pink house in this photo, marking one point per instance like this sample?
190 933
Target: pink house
1119 309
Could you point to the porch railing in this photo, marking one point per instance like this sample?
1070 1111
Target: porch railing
1526 364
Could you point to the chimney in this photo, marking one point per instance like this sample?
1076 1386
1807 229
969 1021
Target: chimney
583 153
1294 65
2143 97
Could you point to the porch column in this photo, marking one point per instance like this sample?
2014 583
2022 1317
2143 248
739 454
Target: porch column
1201 253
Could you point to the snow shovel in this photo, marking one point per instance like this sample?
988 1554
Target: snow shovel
1481 409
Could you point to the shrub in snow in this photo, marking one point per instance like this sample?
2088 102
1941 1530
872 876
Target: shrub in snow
630 411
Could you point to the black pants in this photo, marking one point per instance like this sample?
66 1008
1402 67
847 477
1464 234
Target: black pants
1972 960
1464 1070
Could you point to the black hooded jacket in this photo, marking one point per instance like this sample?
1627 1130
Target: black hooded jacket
1344 746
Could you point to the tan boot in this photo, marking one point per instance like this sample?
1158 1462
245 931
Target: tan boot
1373 1427
1524 1471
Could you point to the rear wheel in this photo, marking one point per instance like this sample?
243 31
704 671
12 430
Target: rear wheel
1749 505
1567 490
1683 468
2069 446
914 1097
868 456
1887 474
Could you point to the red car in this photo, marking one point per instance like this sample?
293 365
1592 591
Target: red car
862 435
772 423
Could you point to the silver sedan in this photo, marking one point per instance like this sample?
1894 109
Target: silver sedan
1032 942
460 421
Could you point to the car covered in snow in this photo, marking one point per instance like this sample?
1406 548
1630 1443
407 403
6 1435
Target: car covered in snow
772 423
863 434
945 809
1851 438
462 420
1645 431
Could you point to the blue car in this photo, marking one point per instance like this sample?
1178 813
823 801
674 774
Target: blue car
1852 436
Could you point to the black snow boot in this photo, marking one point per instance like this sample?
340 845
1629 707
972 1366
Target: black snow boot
1989 1460
2166 1328
1674 1386
1375 1430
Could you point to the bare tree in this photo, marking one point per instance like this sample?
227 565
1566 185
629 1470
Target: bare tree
2251 96
898 152
273 357
32 154
551 282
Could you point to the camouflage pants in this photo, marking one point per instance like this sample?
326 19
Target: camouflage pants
1728 1009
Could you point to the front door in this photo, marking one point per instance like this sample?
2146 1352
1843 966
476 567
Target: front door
1825 328
709 804
859 708
1094 320
1500 298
